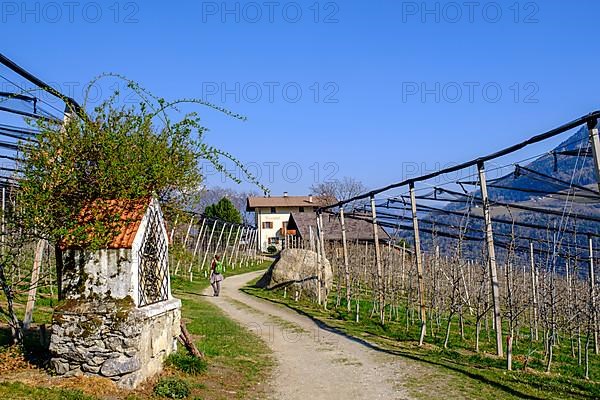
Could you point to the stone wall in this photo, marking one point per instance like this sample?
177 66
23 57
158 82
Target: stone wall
113 338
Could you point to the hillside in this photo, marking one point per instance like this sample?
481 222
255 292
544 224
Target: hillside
567 162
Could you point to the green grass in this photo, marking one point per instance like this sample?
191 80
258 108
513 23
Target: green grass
172 388
237 360
18 391
469 374
223 341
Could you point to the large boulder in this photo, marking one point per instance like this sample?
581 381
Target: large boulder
297 269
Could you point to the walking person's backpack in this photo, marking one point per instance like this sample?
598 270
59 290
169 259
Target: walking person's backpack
219 268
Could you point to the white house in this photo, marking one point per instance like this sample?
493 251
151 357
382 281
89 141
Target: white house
273 213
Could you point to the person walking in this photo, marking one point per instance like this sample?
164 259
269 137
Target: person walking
216 275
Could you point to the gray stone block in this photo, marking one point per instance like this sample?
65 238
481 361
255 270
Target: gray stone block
120 366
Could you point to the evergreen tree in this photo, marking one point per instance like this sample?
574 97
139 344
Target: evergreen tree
224 210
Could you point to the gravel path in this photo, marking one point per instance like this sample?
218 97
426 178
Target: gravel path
312 363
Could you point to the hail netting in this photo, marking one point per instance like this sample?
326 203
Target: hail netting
508 244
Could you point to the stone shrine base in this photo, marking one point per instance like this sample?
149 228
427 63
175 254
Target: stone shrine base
114 339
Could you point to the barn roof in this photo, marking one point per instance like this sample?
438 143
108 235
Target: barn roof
122 215
356 229
288 201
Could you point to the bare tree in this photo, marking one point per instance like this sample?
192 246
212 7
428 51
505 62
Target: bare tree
341 189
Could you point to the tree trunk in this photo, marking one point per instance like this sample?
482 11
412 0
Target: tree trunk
587 355
579 346
550 352
477 332
509 347
448 330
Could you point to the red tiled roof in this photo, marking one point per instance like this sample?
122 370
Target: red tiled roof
356 229
122 215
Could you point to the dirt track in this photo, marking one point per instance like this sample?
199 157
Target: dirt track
313 363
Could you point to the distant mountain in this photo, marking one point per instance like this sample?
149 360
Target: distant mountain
568 162
556 164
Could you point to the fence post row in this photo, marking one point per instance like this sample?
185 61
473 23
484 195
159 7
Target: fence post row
212 232
198 240
237 249
235 241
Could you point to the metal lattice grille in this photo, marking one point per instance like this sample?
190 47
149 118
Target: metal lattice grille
153 266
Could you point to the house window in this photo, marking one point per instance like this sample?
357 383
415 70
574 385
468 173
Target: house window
301 209
267 225
273 210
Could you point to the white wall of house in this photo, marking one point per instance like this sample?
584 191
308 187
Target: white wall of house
270 224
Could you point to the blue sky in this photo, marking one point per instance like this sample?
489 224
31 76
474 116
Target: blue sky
371 90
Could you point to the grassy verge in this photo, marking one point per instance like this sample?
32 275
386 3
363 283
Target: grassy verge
18 391
466 373
237 361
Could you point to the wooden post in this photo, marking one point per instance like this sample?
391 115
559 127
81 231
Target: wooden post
255 245
595 143
187 234
35 274
593 295
247 248
346 261
198 239
237 249
319 261
250 248
381 294
489 237
173 229
227 243
235 242
419 260
533 291
208 245
323 258
3 218
219 240
402 265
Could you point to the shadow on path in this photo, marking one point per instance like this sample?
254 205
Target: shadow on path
456 367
